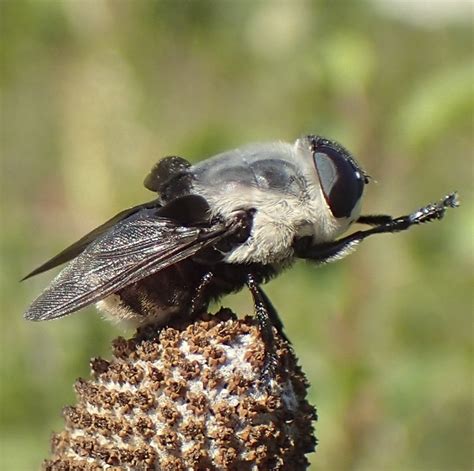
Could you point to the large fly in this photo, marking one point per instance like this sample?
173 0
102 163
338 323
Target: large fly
236 219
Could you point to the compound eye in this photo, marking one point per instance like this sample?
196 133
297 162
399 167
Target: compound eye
342 183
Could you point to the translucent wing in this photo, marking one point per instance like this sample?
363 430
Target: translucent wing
133 249
75 249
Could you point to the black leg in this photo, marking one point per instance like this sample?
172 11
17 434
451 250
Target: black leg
330 251
198 301
272 314
265 325
261 311
375 219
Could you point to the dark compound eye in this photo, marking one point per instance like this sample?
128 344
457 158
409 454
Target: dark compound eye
341 181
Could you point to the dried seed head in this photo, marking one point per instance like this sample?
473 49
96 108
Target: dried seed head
189 397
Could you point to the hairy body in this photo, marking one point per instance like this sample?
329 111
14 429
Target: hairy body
236 219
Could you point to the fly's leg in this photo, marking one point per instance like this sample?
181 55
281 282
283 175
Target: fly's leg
199 301
330 251
267 318
272 314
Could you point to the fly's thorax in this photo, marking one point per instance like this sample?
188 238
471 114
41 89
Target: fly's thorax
277 221
280 182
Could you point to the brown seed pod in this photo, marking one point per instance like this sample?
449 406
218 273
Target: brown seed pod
189 397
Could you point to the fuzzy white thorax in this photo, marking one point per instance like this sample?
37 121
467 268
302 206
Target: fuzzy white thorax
280 217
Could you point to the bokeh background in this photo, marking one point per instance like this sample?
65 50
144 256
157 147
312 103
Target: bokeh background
93 93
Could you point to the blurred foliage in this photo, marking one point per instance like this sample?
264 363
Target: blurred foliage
94 92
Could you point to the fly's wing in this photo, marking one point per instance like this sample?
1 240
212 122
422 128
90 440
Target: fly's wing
75 249
133 249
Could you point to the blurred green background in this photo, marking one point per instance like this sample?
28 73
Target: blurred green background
93 93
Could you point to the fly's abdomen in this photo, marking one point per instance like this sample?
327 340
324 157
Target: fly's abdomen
156 298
